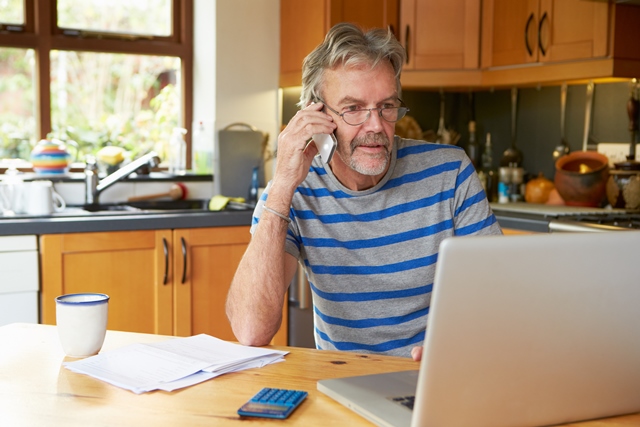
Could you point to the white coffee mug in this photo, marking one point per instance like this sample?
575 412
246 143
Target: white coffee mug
81 320
42 199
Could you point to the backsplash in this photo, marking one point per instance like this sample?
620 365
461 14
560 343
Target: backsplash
538 118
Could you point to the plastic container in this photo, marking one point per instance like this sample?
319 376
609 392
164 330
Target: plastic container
202 151
177 152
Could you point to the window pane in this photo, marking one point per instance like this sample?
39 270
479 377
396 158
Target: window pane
12 12
17 107
99 99
142 17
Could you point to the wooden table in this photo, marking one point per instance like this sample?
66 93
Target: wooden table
36 390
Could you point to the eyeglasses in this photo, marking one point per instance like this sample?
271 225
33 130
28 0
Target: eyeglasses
358 117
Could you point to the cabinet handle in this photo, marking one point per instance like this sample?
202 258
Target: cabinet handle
526 35
165 247
184 260
544 18
406 44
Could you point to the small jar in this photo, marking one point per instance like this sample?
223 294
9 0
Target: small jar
50 156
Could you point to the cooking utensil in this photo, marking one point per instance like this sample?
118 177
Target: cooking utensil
177 191
442 135
563 147
512 154
587 116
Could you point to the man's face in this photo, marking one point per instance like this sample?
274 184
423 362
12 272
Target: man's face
366 148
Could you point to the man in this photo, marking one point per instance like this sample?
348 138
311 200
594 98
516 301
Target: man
367 226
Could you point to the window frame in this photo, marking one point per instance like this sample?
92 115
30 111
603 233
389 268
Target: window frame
41 33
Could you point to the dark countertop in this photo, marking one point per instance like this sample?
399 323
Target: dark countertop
523 222
121 221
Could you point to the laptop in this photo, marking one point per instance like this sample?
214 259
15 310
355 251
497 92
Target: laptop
526 330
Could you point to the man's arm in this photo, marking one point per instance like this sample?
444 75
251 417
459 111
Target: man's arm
255 299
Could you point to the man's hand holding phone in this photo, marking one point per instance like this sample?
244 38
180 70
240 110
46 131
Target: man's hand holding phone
326 144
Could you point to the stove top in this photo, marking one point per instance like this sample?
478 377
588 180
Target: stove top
570 218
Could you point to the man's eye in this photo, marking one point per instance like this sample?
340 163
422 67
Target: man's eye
351 108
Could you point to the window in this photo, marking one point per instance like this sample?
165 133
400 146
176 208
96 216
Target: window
104 72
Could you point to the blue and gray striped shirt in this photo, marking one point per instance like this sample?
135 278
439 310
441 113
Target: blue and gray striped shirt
370 255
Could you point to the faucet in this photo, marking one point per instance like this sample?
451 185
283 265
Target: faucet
93 186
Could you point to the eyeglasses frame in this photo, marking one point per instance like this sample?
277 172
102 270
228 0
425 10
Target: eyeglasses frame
369 110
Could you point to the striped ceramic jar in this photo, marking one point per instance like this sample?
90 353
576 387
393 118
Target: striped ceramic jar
50 157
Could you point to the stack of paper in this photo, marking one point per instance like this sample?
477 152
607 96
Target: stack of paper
173 364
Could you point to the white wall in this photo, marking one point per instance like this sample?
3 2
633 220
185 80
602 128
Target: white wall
236 64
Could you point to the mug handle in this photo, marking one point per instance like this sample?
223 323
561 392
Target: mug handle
58 202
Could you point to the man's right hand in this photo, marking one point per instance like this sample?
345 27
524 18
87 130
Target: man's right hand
295 152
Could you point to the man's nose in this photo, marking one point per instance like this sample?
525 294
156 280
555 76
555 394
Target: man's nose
375 121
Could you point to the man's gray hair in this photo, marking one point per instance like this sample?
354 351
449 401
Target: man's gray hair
348 45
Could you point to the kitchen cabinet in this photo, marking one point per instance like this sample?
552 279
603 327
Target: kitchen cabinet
440 35
171 282
442 39
527 31
132 267
552 41
19 275
304 24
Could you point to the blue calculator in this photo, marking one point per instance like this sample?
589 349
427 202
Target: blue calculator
273 403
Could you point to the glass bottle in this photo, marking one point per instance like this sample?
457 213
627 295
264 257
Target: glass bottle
473 149
202 151
178 152
487 174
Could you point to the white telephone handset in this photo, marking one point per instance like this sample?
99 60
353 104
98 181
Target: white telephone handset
326 144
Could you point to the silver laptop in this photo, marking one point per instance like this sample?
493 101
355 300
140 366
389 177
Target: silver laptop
523 331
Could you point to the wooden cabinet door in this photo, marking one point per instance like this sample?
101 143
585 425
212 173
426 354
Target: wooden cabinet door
573 30
516 32
304 24
509 32
205 261
440 35
366 13
132 267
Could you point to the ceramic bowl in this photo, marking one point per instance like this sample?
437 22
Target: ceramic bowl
581 178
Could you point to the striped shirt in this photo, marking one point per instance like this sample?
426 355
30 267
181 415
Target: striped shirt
370 255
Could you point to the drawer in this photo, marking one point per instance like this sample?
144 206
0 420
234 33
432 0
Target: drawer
19 271
18 243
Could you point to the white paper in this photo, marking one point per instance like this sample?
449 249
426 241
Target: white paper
173 364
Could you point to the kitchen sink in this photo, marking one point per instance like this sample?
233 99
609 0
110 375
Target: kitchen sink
156 206
151 205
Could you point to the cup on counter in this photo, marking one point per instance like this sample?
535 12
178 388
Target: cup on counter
81 320
42 199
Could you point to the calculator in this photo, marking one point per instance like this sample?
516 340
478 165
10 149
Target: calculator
272 403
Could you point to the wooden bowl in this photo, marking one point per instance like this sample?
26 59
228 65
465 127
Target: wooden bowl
581 178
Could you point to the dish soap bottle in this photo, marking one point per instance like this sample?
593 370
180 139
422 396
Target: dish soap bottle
202 152
253 188
178 152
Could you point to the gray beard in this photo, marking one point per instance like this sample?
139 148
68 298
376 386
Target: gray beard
378 139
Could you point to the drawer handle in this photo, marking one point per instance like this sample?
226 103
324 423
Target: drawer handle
540 24
526 35
406 44
184 260
165 247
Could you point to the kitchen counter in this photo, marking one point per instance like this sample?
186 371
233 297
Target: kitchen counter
81 221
